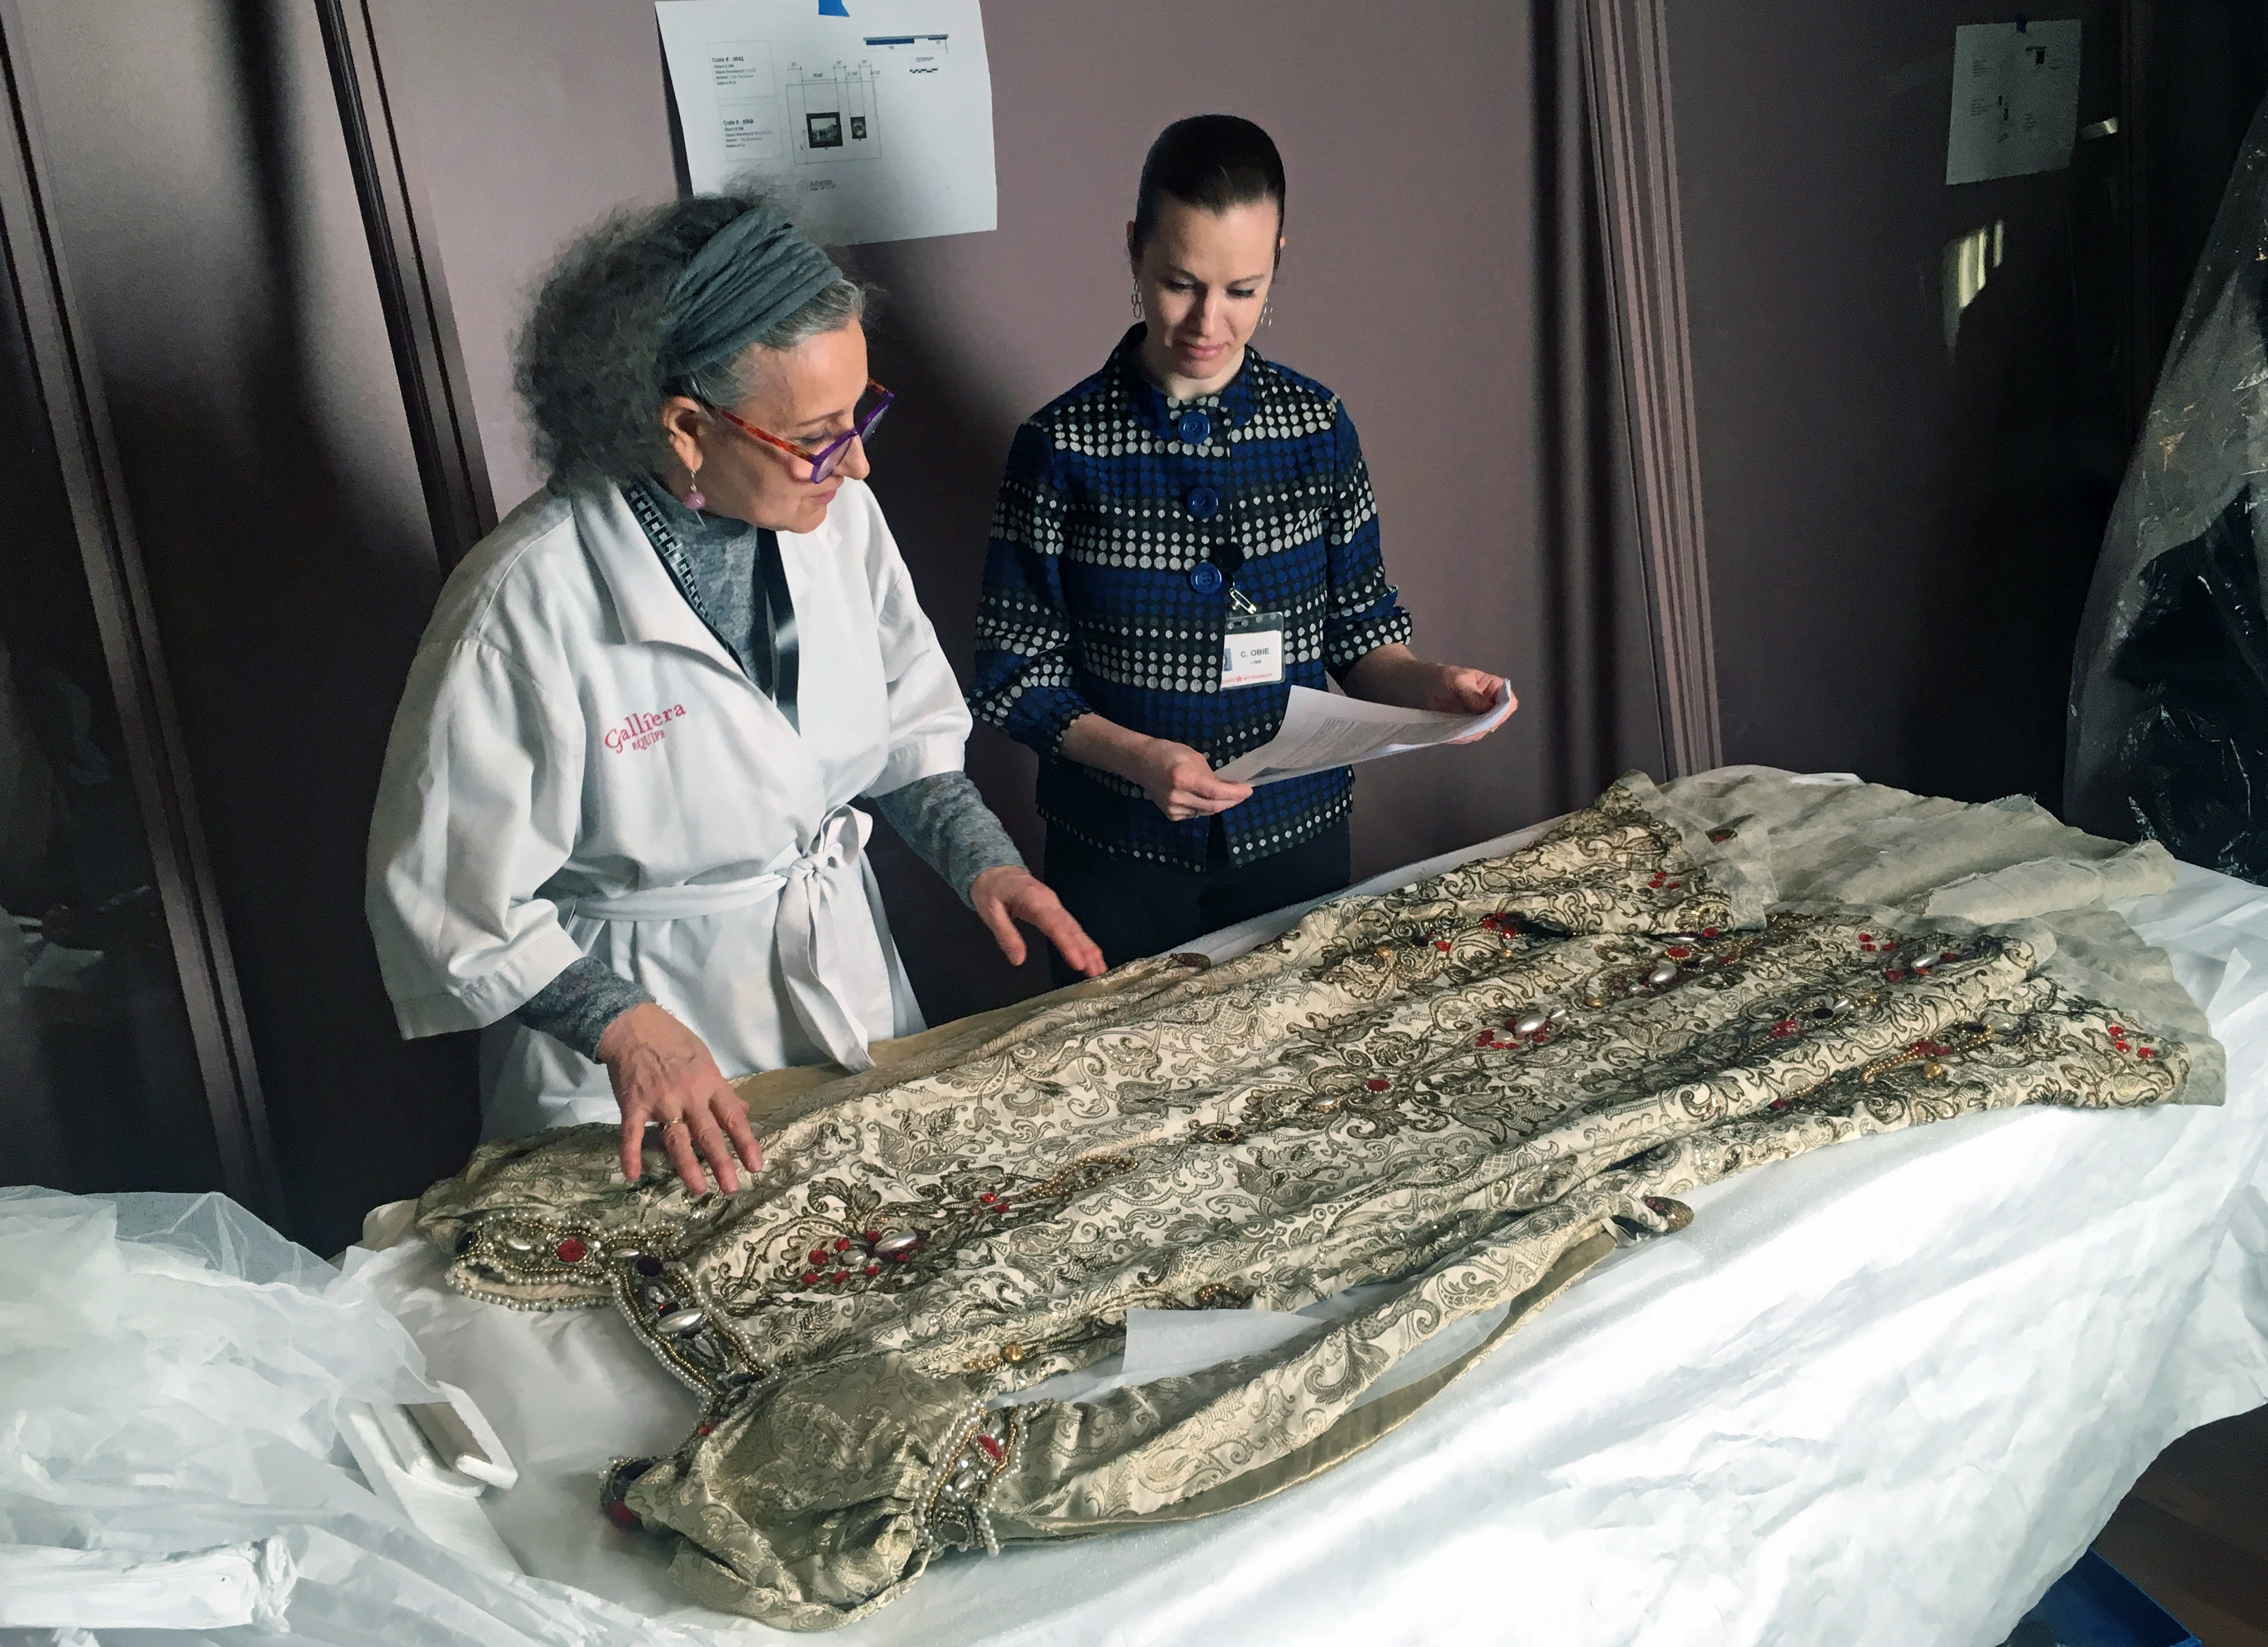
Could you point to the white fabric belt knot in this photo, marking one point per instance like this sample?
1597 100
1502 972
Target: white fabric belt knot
824 923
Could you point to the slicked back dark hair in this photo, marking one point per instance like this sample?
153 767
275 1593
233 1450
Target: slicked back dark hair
1215 162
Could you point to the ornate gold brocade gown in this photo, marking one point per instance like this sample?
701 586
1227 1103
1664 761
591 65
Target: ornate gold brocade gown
1471 1088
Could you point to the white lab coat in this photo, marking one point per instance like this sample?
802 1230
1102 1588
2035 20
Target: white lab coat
579 767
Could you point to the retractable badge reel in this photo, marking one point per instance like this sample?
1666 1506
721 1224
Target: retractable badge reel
1251 646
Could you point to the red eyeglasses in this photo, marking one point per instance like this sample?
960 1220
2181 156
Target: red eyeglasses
829 457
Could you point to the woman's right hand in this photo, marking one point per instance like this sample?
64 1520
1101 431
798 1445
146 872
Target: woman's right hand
663 1075
1181 782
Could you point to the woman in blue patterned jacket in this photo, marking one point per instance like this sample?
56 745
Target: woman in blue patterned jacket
1181 540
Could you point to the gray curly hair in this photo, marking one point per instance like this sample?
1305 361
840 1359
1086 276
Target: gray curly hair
587 363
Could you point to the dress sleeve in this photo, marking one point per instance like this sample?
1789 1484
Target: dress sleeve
929 722
1364 612
1023 680
477 809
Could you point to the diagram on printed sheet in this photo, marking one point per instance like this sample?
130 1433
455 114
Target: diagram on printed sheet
833 114
875 126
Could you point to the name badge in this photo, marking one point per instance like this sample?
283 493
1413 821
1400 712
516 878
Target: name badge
1252 649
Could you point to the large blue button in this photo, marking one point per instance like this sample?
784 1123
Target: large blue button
1205 577
1195 429
1205 502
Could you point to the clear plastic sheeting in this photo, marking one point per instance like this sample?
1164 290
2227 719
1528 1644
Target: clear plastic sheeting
171 1367
170 1372
2169 730
237 1584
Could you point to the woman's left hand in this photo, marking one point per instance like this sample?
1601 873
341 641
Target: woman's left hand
1455 691
1393 674
1008 892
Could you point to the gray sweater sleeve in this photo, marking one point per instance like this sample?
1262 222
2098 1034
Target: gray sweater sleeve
576 1007
947 824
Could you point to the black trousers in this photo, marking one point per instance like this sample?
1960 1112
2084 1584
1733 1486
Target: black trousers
1132 907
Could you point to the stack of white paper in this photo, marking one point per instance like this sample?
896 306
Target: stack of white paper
1321 731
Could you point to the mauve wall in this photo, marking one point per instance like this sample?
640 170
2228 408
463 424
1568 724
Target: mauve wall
1406 286
1901 535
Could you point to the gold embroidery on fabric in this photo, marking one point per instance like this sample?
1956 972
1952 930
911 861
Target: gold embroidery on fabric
1450 1087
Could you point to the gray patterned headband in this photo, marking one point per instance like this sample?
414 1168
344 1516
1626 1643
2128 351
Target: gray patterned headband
754 273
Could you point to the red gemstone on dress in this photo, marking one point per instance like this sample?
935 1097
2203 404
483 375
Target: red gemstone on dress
1675 885
572 1251
841 1243
1678 953
840 1276
1377 1084
1442 945
991 1447
2118 1029
1708 931
1895 976
1866 937
807 1278
1483 1038
1781 1103
705 1430
873 1269
988 1200
2148 1052
872 1236
902 1258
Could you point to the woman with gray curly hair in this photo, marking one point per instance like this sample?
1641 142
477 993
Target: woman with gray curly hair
614 831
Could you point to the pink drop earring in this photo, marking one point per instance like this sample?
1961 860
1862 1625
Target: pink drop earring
696 499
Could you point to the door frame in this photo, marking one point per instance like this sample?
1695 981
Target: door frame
420 325
68 382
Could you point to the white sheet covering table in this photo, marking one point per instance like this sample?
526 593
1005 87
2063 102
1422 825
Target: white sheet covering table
1883 1394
